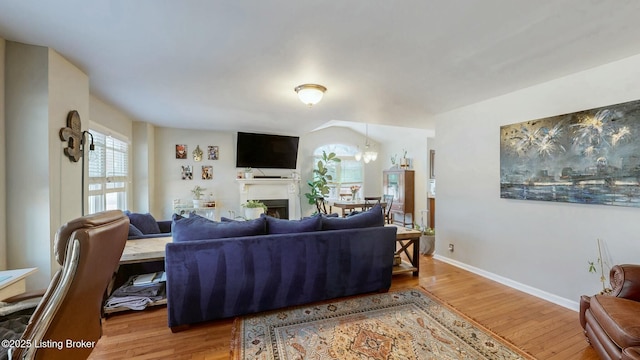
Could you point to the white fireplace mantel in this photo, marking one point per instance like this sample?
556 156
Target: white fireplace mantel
272 189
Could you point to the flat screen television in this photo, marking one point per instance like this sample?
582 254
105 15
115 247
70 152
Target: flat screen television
266 151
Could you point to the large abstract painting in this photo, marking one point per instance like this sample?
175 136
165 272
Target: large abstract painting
588 157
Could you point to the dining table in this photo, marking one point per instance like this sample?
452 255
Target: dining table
346 206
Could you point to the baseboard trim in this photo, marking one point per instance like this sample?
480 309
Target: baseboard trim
572 305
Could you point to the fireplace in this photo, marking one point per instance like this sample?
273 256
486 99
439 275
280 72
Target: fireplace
284 192
278 208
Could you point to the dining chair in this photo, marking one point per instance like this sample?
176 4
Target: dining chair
371 201
388 199
321 205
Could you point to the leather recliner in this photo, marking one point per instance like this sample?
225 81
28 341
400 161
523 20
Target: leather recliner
611 322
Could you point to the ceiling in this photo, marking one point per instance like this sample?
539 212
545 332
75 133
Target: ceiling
232 65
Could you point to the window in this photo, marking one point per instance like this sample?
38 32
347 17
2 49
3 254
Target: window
108 173
346 173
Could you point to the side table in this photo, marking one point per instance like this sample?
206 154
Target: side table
406 238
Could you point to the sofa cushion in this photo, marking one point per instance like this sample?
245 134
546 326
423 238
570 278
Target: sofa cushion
618 318
283 226
134 231
200 228
144 222
370 218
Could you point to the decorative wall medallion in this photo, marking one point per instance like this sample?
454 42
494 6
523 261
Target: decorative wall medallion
73 135
197 154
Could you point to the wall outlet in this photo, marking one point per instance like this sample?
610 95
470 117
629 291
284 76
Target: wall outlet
451 247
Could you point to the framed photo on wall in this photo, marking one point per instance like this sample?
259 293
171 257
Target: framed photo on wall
186 172
207 172
181 151
213 152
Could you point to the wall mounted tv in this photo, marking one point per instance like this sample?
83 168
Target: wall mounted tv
266 151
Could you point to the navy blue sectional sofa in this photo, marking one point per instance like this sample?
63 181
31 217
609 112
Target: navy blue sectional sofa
142 226
219 270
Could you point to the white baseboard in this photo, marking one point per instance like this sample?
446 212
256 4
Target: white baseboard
569 304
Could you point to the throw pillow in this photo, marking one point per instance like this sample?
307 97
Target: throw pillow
283 226
144 222
200 228
134 231
370 218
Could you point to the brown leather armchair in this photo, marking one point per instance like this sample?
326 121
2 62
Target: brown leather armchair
67 322
611 322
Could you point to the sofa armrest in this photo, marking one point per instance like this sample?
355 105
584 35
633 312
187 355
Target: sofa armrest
625 281
165 226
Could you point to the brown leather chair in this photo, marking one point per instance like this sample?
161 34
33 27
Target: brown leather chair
68 319
611 322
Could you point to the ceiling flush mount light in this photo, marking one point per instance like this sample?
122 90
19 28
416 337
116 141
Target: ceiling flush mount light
310 94
369 154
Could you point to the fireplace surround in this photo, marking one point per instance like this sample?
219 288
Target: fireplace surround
271 190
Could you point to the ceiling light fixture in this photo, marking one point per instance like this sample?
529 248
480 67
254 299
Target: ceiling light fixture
310 94
370 154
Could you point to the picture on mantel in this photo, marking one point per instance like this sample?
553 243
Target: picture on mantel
187 172
181 151
213 152
207 172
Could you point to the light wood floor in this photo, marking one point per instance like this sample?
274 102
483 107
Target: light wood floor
540 328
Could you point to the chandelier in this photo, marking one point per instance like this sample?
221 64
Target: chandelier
369 154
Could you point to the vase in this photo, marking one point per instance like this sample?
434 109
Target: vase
427 244
353 195
253 213
197 203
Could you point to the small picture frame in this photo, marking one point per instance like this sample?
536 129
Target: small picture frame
212 152
181 151
186 172
207 172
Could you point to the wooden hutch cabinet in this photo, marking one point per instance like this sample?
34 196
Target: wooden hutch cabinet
400 184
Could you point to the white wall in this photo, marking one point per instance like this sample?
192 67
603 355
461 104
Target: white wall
541 247
3 201
44 184
143 165
170 186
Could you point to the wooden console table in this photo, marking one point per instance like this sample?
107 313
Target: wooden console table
140 251
405 238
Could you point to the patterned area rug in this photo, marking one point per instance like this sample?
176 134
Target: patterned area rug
396 325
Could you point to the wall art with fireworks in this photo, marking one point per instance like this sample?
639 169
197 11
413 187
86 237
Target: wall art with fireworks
587 157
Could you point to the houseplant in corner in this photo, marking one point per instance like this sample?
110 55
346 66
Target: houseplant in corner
253 209
321 177
197 192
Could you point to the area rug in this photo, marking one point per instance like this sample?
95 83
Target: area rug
405 324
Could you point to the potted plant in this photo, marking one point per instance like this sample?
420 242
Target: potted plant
427 239
248 173
321 177
601 270
197 192
253 209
